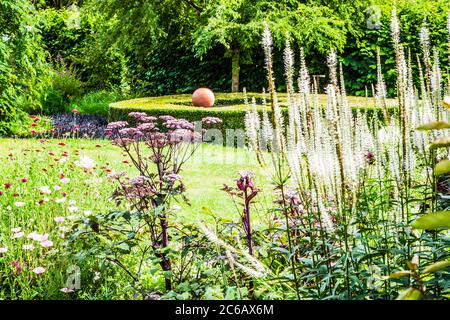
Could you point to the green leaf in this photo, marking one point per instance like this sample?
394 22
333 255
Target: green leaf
438 266
442 167
123 246
443 142
435 125
410 294
207 211
399 274
433 221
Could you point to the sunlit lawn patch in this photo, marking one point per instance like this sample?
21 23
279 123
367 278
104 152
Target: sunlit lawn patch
44 184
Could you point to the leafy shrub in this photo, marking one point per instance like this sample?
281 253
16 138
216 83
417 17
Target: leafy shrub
65 88
23 69
61 38
25 126
90 126
53 102
68 85
96 103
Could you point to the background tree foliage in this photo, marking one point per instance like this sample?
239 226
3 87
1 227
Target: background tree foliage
23 69
52 52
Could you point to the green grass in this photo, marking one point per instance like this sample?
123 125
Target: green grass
39 163
89 191
204 175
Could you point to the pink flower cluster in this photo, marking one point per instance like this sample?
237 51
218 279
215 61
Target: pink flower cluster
179 124
139 181
113 127
172 177
146 127
211 120
142 117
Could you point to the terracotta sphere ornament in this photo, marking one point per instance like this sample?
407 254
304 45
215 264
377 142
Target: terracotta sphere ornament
203 97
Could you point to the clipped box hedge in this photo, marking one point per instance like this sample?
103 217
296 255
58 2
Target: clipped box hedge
228 106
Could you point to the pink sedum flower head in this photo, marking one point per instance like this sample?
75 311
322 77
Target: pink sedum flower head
211 120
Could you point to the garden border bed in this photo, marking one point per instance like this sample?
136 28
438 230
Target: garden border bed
232 111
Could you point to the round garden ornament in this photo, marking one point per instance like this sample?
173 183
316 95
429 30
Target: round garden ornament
203 97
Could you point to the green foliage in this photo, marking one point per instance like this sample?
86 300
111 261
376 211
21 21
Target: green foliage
359 57
433 221
63 34
23 69
65 88
96 102
241 22
171 46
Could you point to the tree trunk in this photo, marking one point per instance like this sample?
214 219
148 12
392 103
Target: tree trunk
236 67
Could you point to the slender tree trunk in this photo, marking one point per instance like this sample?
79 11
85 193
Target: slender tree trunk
236 67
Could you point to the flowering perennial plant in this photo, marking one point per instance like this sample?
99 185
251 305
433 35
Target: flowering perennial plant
325 161
158 156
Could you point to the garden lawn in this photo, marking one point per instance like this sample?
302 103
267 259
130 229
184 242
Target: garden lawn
43 187
40 163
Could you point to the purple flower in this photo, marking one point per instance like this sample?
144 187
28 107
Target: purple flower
148 119
114 127
245 181
146 127
179 124
166 118
115 175
211 120
124 142
130 132
139 181
292 197
17 266
117 125
137 115
184 135
172 177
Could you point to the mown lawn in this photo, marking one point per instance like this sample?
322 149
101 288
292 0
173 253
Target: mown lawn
42 190
39 162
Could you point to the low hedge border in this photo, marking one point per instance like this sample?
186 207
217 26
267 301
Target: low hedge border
230 108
